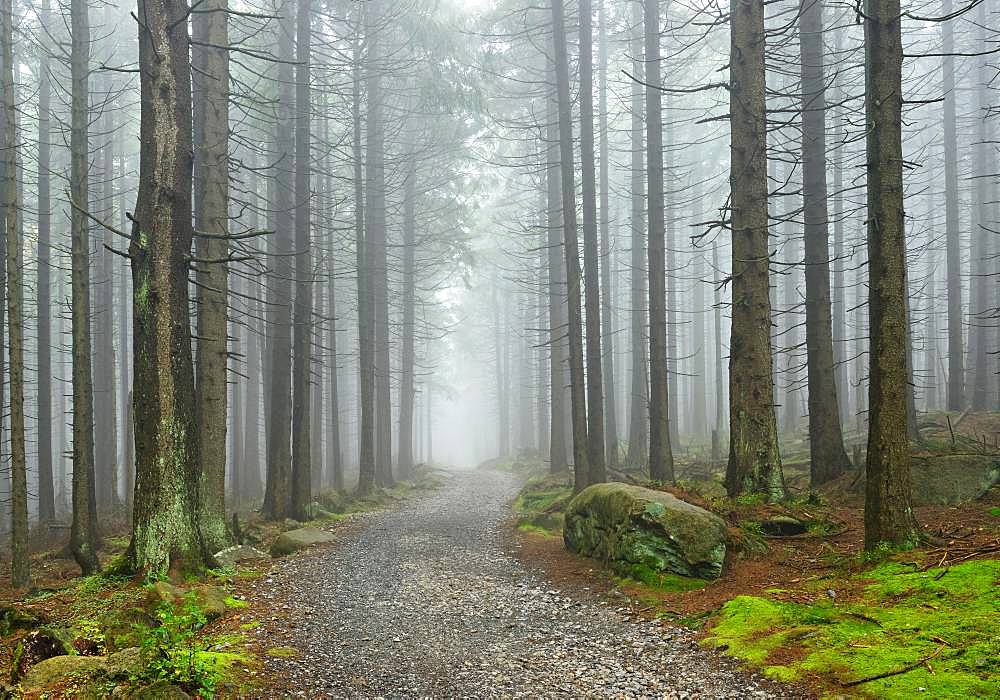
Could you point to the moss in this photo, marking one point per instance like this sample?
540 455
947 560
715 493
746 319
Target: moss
235 603
283 652
658 580
995 512
903 616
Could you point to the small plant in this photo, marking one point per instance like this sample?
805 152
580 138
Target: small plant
175 653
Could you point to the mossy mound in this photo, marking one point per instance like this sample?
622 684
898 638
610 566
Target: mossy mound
944 616
951 479
630 526
540 504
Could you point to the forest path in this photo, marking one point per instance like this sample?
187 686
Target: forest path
423 600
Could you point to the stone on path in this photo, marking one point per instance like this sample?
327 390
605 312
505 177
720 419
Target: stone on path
633 526
295 540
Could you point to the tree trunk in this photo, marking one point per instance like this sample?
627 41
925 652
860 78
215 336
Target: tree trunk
165 534
827 457
558 345
607 251
888 512
44 420
754 463
278 492
661 458
14 252
953 243
366 352
591 253
303 309
638 421
83 532
210 77
406 389
574 327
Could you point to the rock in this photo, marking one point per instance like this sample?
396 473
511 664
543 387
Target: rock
13 617
231 556
633 526
40 644
159 593
125 663
59 668
294 540
951 479
782 526
120 628
161 690
212 600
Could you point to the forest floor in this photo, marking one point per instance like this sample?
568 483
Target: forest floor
426 599
813 608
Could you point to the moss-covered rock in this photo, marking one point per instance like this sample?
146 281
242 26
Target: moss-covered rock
60 668
631 526
231 557
950 479
121 628
161 690
295 540
125 663
15 617
38 645
211 599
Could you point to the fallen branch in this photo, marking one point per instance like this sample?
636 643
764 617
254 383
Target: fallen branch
899 671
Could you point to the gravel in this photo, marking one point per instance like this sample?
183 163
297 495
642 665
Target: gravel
423 600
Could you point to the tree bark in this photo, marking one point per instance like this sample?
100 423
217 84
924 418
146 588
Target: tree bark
210 83
888 511
754 463
638 421
828 458
83 532
406 389
574 327
558 340
165 533
591 253
303 309
44 420
661 458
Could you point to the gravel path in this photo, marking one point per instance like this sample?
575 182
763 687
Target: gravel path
423 600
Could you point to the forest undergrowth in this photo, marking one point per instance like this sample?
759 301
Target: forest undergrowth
130 637
799 599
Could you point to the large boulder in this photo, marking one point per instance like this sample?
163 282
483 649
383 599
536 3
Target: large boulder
630 526
294 540
951 479
61 668
160 690
38 645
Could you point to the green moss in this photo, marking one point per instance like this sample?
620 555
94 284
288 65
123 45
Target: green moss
235 603
660 581
995 512
904 616
283 652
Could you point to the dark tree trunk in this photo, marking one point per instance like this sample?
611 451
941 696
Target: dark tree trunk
754 462
165 534
303 309
44 421
661 458
210 83
888 511
591 253
278 491
638 421
827 457
406 389
574 327
83 532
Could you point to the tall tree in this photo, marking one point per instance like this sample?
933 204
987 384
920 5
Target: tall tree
407 390
83 532
754 463
638 422
43 294
574 327
888 510
20 563
278 486
210 83
303 311
827 456
661 458
591 252
953 245
165 532
607 252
